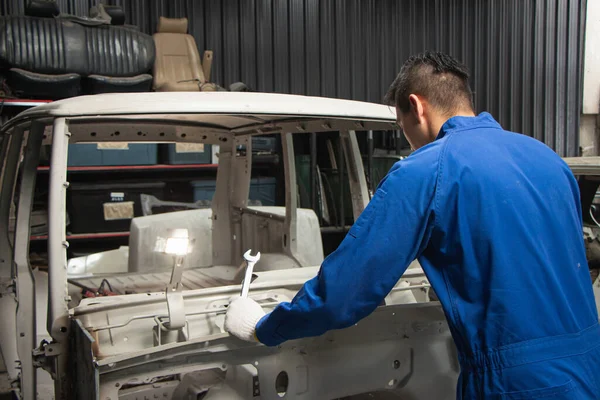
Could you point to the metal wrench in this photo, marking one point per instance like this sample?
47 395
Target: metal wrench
250 260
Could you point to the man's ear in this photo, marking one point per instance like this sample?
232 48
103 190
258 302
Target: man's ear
416 107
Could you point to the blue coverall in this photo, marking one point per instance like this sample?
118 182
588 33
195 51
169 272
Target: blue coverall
494 218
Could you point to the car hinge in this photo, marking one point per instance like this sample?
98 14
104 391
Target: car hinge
44 357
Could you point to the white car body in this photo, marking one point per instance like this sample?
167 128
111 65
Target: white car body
147 345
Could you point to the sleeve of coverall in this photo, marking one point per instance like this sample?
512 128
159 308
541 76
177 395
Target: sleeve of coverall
390 233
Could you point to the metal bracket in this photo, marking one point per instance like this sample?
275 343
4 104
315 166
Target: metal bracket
164 334
176 274
176 310
43 357
174 296
52 350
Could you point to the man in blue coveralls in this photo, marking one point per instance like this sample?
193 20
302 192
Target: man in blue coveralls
494 219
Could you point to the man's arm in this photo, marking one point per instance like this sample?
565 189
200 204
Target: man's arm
390 233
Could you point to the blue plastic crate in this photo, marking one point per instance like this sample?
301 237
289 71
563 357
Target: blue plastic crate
88 154
261 188
182 153
261 144
204 190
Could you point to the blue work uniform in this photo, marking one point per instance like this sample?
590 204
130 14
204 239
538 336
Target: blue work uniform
494 218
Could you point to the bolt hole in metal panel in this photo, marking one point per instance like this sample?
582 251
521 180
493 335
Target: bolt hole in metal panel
281 383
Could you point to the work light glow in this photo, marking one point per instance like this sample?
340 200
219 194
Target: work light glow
178 243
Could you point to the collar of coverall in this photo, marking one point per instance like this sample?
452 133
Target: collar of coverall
483 120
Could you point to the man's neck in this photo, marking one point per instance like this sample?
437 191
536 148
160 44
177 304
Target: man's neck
438 121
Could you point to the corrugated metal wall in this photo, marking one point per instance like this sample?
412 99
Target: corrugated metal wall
525 55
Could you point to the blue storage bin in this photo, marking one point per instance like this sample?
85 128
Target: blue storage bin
204 190
88 154
261 144
182 153
262 189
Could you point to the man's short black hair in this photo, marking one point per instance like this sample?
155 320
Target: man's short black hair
437 77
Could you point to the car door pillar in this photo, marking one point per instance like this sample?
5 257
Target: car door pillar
291 198
10 154
58 313
26 309
222 236
356 174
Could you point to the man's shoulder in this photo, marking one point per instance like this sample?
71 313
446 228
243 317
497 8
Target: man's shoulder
425 158
421 165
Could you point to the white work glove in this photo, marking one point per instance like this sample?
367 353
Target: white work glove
242 316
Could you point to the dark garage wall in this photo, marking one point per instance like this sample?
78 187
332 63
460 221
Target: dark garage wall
524 55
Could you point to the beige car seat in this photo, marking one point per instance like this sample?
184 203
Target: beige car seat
177 67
